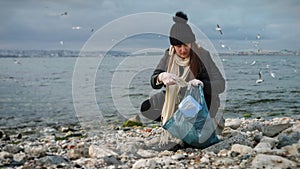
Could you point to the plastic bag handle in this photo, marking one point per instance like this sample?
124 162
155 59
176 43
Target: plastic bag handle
201 95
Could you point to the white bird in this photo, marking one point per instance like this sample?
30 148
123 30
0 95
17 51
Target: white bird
258 36
218 28
16 61
76 27
253 63
259 80
61 42
272 74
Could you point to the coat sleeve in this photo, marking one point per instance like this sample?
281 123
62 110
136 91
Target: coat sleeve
214 83
161 67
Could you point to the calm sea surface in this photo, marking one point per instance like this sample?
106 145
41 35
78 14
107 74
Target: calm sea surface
38 91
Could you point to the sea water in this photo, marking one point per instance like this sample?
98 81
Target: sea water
38 91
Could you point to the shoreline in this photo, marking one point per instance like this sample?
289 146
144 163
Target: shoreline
245 143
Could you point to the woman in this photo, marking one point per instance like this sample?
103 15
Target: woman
188 61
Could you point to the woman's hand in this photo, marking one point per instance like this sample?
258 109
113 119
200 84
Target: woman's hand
195 82
167 78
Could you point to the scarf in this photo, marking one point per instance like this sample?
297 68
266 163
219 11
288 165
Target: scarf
172 91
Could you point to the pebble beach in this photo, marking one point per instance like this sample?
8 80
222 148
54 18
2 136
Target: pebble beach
244 143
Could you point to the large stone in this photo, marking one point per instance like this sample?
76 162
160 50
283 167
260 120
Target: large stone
252 126
288 139
233 123
227 143
272 162
242 149
266 145
274 130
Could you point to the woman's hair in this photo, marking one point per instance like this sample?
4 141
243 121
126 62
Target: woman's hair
196 65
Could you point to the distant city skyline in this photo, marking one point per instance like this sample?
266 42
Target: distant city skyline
269 25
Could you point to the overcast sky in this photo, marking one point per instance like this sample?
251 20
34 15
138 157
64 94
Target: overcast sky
68 24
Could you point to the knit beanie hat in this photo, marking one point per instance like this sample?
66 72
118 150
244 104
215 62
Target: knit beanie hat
181 32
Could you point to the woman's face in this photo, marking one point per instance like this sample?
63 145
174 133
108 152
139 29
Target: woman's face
183 50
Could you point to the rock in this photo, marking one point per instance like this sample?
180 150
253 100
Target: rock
74 134
263 147
4 155
241 149
282 120
178 157
227 143
144 163
100 151
78 152
266 145
271 141
12 148
258 137
290 139
20 157
154 144
89 163
146 153
19 136
35 150
204 159
2 134
52 160
274 130
252 126
224 162
129 148
271 162
111 160
165 153
233 123
229 132
223 153
168 162
292 150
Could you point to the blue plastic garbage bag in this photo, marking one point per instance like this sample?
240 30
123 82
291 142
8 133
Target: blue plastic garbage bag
192 122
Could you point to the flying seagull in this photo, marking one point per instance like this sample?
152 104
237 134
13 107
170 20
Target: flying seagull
258 36
253 63
218 28
259 80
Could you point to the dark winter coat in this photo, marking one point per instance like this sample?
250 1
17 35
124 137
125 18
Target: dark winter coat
209 74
